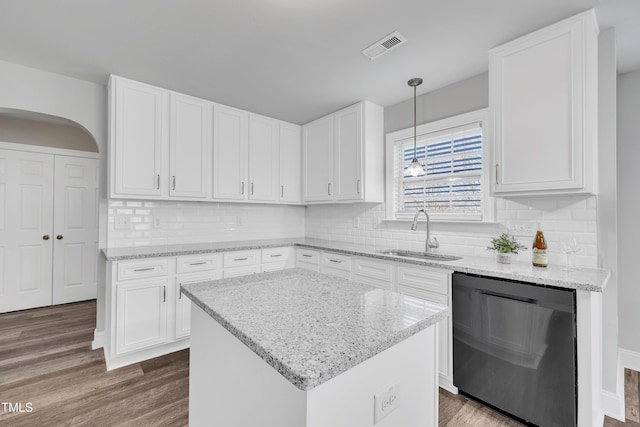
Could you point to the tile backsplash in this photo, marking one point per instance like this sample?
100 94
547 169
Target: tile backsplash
140 223
560 218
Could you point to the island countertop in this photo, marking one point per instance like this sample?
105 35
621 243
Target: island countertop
311 327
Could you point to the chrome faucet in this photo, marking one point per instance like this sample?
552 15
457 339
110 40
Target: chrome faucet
428 244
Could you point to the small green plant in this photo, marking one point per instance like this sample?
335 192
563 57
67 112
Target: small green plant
505 244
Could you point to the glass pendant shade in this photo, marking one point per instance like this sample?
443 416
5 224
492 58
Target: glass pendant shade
415 168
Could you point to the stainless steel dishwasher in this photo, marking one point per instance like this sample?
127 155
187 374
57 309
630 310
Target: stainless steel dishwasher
514 348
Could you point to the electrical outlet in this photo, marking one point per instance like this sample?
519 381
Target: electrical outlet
521 228
356 221
386 402
121 223
156 222
239 221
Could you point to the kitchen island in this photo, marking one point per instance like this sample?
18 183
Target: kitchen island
297 348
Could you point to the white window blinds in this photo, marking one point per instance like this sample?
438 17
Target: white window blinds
452 187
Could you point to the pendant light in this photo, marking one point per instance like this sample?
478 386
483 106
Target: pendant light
415 168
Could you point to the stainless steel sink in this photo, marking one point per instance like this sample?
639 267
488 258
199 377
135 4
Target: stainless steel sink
421 255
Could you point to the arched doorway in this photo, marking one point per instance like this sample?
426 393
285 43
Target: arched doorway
48 211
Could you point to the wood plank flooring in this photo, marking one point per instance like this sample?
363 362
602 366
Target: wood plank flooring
46 359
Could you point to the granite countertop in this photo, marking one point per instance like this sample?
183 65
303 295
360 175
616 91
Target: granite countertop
588 279
311 327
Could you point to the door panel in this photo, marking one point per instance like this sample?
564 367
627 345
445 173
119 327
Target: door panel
230 140
348 178
317 157
263 158
26 215
75 229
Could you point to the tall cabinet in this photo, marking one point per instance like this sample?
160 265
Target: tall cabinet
543 103
342 156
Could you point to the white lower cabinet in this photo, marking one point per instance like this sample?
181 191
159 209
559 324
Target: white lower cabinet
183 304
433 285
308 259
141 314
336 265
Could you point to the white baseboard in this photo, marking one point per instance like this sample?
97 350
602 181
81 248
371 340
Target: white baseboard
98 340
613 404
629 359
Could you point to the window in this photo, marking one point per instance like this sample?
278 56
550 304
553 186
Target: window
453 153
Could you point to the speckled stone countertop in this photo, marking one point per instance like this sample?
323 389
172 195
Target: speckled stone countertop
311 327
588 279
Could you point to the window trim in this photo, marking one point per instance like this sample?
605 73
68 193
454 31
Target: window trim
392 138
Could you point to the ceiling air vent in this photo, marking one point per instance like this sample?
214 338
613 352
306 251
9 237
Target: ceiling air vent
384 45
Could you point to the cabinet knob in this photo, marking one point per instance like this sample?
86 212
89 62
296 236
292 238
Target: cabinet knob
45 237
59 237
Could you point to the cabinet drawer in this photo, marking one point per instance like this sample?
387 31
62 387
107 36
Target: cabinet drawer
336 272
373 269
275 255
308 256
273 266
308 266
423 279
240 259
128 270
336 261
240 271
194 263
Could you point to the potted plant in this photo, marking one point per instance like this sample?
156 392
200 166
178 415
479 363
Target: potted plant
505 245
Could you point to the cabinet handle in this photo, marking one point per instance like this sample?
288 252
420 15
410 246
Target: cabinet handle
282 191
158 182
198 263
242 187
45 237
252 188
275 256
358 186
335 260
241 259
59 237
173 179
306 255
164 294
329 189
179 291
145 269
497 166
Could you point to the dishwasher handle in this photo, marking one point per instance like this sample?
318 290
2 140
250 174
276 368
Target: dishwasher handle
510 297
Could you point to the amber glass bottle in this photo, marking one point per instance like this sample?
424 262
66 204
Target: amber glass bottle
539 249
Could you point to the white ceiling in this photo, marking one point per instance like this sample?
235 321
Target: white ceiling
295 60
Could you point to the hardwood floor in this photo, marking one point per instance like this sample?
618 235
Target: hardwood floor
46 360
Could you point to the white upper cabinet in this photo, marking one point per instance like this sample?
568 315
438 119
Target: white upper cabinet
137 135
348 157
189 146
343 156
317 160
543 103
263 158
290 190
230 141
160 143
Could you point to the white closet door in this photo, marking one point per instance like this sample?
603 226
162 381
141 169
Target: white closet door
26 225
75 229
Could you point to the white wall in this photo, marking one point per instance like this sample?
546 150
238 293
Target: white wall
167 222
628 173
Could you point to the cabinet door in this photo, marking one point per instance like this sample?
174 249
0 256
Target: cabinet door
26 217
290 160
183 304
75 255
230 136
317 160
263 158
538 104
141 315
348 153
189 142
137 136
